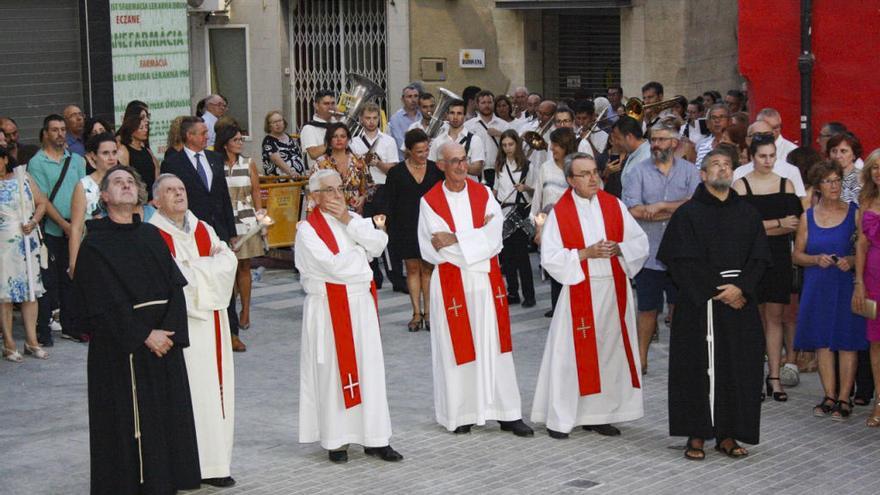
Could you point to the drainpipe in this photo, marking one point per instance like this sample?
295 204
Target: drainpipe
806 60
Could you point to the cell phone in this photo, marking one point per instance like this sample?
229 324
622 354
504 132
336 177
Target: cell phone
704 127
612 158
834 258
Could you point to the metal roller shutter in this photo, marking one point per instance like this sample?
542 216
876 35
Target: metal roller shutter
589 50
41 61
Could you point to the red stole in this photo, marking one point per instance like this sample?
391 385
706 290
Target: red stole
203 243
583 325
452 286
340 317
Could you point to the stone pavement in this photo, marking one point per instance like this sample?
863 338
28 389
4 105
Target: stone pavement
44 432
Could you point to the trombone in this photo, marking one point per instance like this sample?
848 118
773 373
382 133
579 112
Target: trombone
635 108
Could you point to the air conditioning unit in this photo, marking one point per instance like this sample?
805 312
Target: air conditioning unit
206 5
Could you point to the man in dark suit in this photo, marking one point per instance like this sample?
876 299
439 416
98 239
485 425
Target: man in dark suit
201 172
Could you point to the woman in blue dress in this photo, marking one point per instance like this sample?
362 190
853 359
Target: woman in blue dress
824 247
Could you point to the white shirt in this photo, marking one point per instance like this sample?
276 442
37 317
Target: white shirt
780 168
209 172
475 125
210 121
599 138
783 147
549 185
386 150
475 153
504 190
523 124
311 136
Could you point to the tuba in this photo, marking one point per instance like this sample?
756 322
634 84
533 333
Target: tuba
360 91
439 115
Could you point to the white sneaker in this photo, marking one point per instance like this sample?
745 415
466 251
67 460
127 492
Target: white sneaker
789 376
55 326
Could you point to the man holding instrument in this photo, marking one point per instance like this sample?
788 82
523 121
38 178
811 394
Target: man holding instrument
592 246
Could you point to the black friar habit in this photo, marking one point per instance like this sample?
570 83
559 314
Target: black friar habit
709 243
124 276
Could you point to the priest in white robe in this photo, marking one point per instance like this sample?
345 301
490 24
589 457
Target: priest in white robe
208 265
593 246
342 371
471 351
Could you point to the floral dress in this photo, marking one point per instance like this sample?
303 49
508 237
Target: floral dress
358 182
13 266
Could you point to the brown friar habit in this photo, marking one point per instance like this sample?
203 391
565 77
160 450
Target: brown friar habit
709 243
141 429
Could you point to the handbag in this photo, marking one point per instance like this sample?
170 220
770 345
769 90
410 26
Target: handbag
870 309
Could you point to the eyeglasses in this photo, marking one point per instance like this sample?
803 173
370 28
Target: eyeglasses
588 173
455 161
830 182
331 190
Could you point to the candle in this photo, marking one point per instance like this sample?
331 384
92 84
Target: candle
379 220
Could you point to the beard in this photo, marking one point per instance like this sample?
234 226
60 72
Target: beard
662 155
720 184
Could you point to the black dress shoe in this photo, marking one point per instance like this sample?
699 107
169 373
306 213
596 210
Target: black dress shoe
385 453
513 299
607 430
338 456
462 429
402 289
528 303
219 482
46 342
556 434
518 427
548 314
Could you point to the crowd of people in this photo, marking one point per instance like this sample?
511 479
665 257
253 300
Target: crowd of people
763 256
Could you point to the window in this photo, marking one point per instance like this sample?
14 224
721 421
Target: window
229 71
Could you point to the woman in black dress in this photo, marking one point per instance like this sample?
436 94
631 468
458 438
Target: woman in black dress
773 196
405 185
134 136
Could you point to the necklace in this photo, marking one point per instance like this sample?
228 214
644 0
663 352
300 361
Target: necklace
415 165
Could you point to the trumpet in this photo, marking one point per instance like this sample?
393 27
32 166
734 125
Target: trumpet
635 108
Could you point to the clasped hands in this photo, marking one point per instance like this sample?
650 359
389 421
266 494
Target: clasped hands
731 295
159 342
441 240
601 249
827 261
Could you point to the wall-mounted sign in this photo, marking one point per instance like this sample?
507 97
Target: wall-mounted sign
573 82
472 58
150 47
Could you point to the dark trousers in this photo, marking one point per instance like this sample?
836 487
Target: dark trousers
517 266
555 289
59 292
232 314
864 386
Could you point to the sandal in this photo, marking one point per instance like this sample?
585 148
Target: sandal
415 324
426 322
12 355
692 452
823 408
733 449
777 396
841 410
873 420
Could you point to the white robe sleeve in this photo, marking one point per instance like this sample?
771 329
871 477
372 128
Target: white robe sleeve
473 246
562 264
209 278
313 258
366 235
634 249
537 196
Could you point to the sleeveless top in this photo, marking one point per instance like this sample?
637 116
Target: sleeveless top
772 206
142 161
93 196
238 180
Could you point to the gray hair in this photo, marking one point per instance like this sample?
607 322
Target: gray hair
105 184
413 86
669 125
521 89
719 106
768 112
569 160
716 152
157 185
319 175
